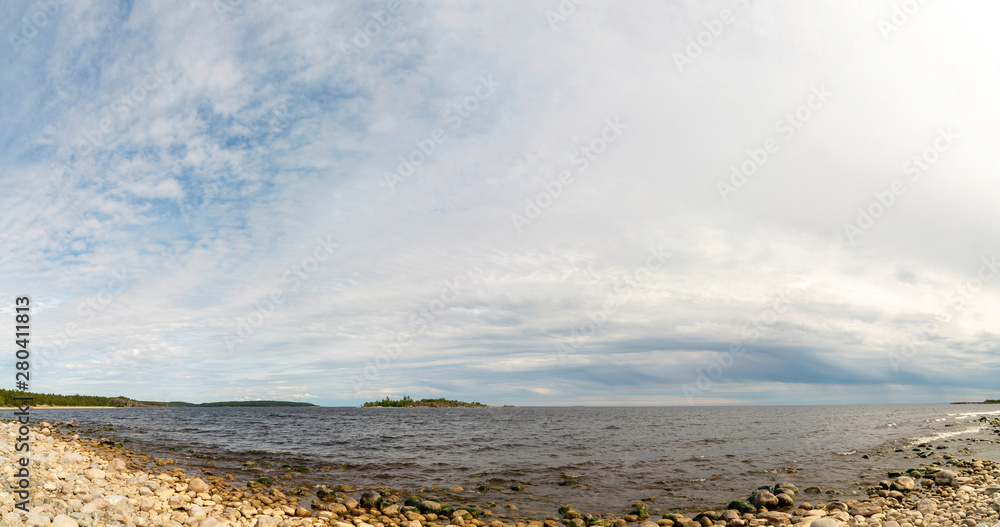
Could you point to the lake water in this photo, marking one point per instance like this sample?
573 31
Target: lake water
689 458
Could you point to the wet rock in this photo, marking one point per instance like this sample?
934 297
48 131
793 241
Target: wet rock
743 506
813 490
903 483
784 500
945 477
764 498
426 506
369 498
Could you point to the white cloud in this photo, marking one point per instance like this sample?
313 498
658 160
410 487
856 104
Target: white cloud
264 129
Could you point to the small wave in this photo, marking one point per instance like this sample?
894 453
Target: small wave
846 453
942 435
890 425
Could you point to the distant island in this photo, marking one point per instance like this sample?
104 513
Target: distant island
406 401
8 398
987 401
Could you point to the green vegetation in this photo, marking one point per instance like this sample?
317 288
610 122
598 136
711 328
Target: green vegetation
987 401
406 401
8 398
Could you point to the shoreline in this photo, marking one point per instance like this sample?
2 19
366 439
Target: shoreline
77 481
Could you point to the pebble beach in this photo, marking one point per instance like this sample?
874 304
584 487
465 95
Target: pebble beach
77 481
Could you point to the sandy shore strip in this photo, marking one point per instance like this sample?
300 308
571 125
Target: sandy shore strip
74 482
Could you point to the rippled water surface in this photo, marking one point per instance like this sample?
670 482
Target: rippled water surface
687 457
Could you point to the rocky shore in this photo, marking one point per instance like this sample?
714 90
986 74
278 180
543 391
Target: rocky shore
76 482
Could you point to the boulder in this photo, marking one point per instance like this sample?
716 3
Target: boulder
198 485
94 474
569 512
945 477
865 509
369 498
764 498
785 500
743 506
926 506
824 522
903 484
116 465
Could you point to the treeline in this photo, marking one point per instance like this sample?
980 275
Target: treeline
406 400
8 398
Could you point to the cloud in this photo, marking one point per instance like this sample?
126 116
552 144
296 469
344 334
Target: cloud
359 200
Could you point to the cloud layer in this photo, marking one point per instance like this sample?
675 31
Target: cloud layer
674 203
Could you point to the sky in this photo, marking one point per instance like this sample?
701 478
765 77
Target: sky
530 203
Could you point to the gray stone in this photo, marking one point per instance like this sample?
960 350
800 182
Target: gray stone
824 522
945 477
764 498
903 483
